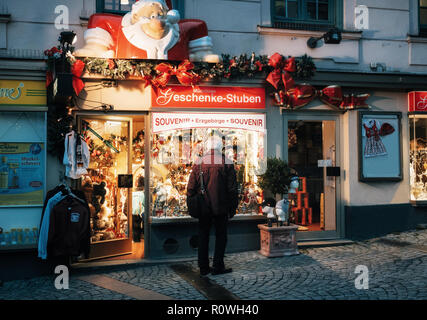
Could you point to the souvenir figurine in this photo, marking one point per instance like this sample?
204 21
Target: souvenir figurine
268 207
293 187
87 188
251 200
98 195
282 211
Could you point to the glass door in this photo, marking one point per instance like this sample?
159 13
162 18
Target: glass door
105 184
312 152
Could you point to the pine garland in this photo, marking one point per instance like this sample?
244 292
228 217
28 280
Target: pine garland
236 67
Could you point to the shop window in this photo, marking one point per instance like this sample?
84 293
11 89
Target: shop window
124 6
418 157
22 177
22 158
175 150
423 17
306 14
108 143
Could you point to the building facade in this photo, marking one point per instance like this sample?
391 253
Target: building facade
357 181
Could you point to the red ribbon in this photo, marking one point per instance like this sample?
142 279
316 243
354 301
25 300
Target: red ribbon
302 94
77 70
183 73
282 69
148 80
296 96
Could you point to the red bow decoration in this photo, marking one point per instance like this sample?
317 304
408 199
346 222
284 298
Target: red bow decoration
302 94
51 52
282 69
183 73
259 65
333 96
296 96
77 69
148 80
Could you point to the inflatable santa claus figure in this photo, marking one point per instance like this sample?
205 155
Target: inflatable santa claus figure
149 31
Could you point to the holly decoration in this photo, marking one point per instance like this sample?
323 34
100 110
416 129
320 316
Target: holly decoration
243 66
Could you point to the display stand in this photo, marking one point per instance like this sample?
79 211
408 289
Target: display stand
278 241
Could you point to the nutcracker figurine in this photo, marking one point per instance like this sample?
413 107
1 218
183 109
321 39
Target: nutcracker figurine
268 207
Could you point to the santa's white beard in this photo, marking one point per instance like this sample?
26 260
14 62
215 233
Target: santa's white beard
155 48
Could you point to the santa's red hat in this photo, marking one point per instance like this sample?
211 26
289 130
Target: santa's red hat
168 3
173 16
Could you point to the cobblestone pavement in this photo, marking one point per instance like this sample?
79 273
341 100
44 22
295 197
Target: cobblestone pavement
397 265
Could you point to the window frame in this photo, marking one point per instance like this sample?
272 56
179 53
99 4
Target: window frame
422 27
335 12
100 7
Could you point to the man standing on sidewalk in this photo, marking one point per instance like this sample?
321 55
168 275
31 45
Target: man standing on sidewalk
221 200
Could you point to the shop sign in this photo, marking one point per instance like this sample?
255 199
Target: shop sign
417 101
165 121
209 97
21 174
17 92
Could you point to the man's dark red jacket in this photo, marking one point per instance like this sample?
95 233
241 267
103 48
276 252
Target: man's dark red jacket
219 178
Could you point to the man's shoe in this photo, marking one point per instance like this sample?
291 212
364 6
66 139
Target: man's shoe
221 271
205 271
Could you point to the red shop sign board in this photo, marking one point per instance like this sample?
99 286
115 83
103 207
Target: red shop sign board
209 97
417 101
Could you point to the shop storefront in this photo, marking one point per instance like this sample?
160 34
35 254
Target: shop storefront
22 162
142 150
140 162
145 111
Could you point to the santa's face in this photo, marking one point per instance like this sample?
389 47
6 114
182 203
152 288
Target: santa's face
152 19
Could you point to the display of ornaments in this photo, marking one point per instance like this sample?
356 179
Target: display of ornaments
173 154
418 174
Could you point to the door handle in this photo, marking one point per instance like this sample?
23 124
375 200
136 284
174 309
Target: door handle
333 171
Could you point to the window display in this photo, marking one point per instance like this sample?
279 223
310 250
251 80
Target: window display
108 204
22 158
177 141
418 157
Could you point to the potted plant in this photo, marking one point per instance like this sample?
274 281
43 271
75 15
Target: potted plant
279 240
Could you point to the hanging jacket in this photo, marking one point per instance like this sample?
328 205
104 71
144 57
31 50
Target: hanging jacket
69 228
76 155
45 224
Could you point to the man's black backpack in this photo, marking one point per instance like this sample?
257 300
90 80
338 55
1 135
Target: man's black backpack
196 204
